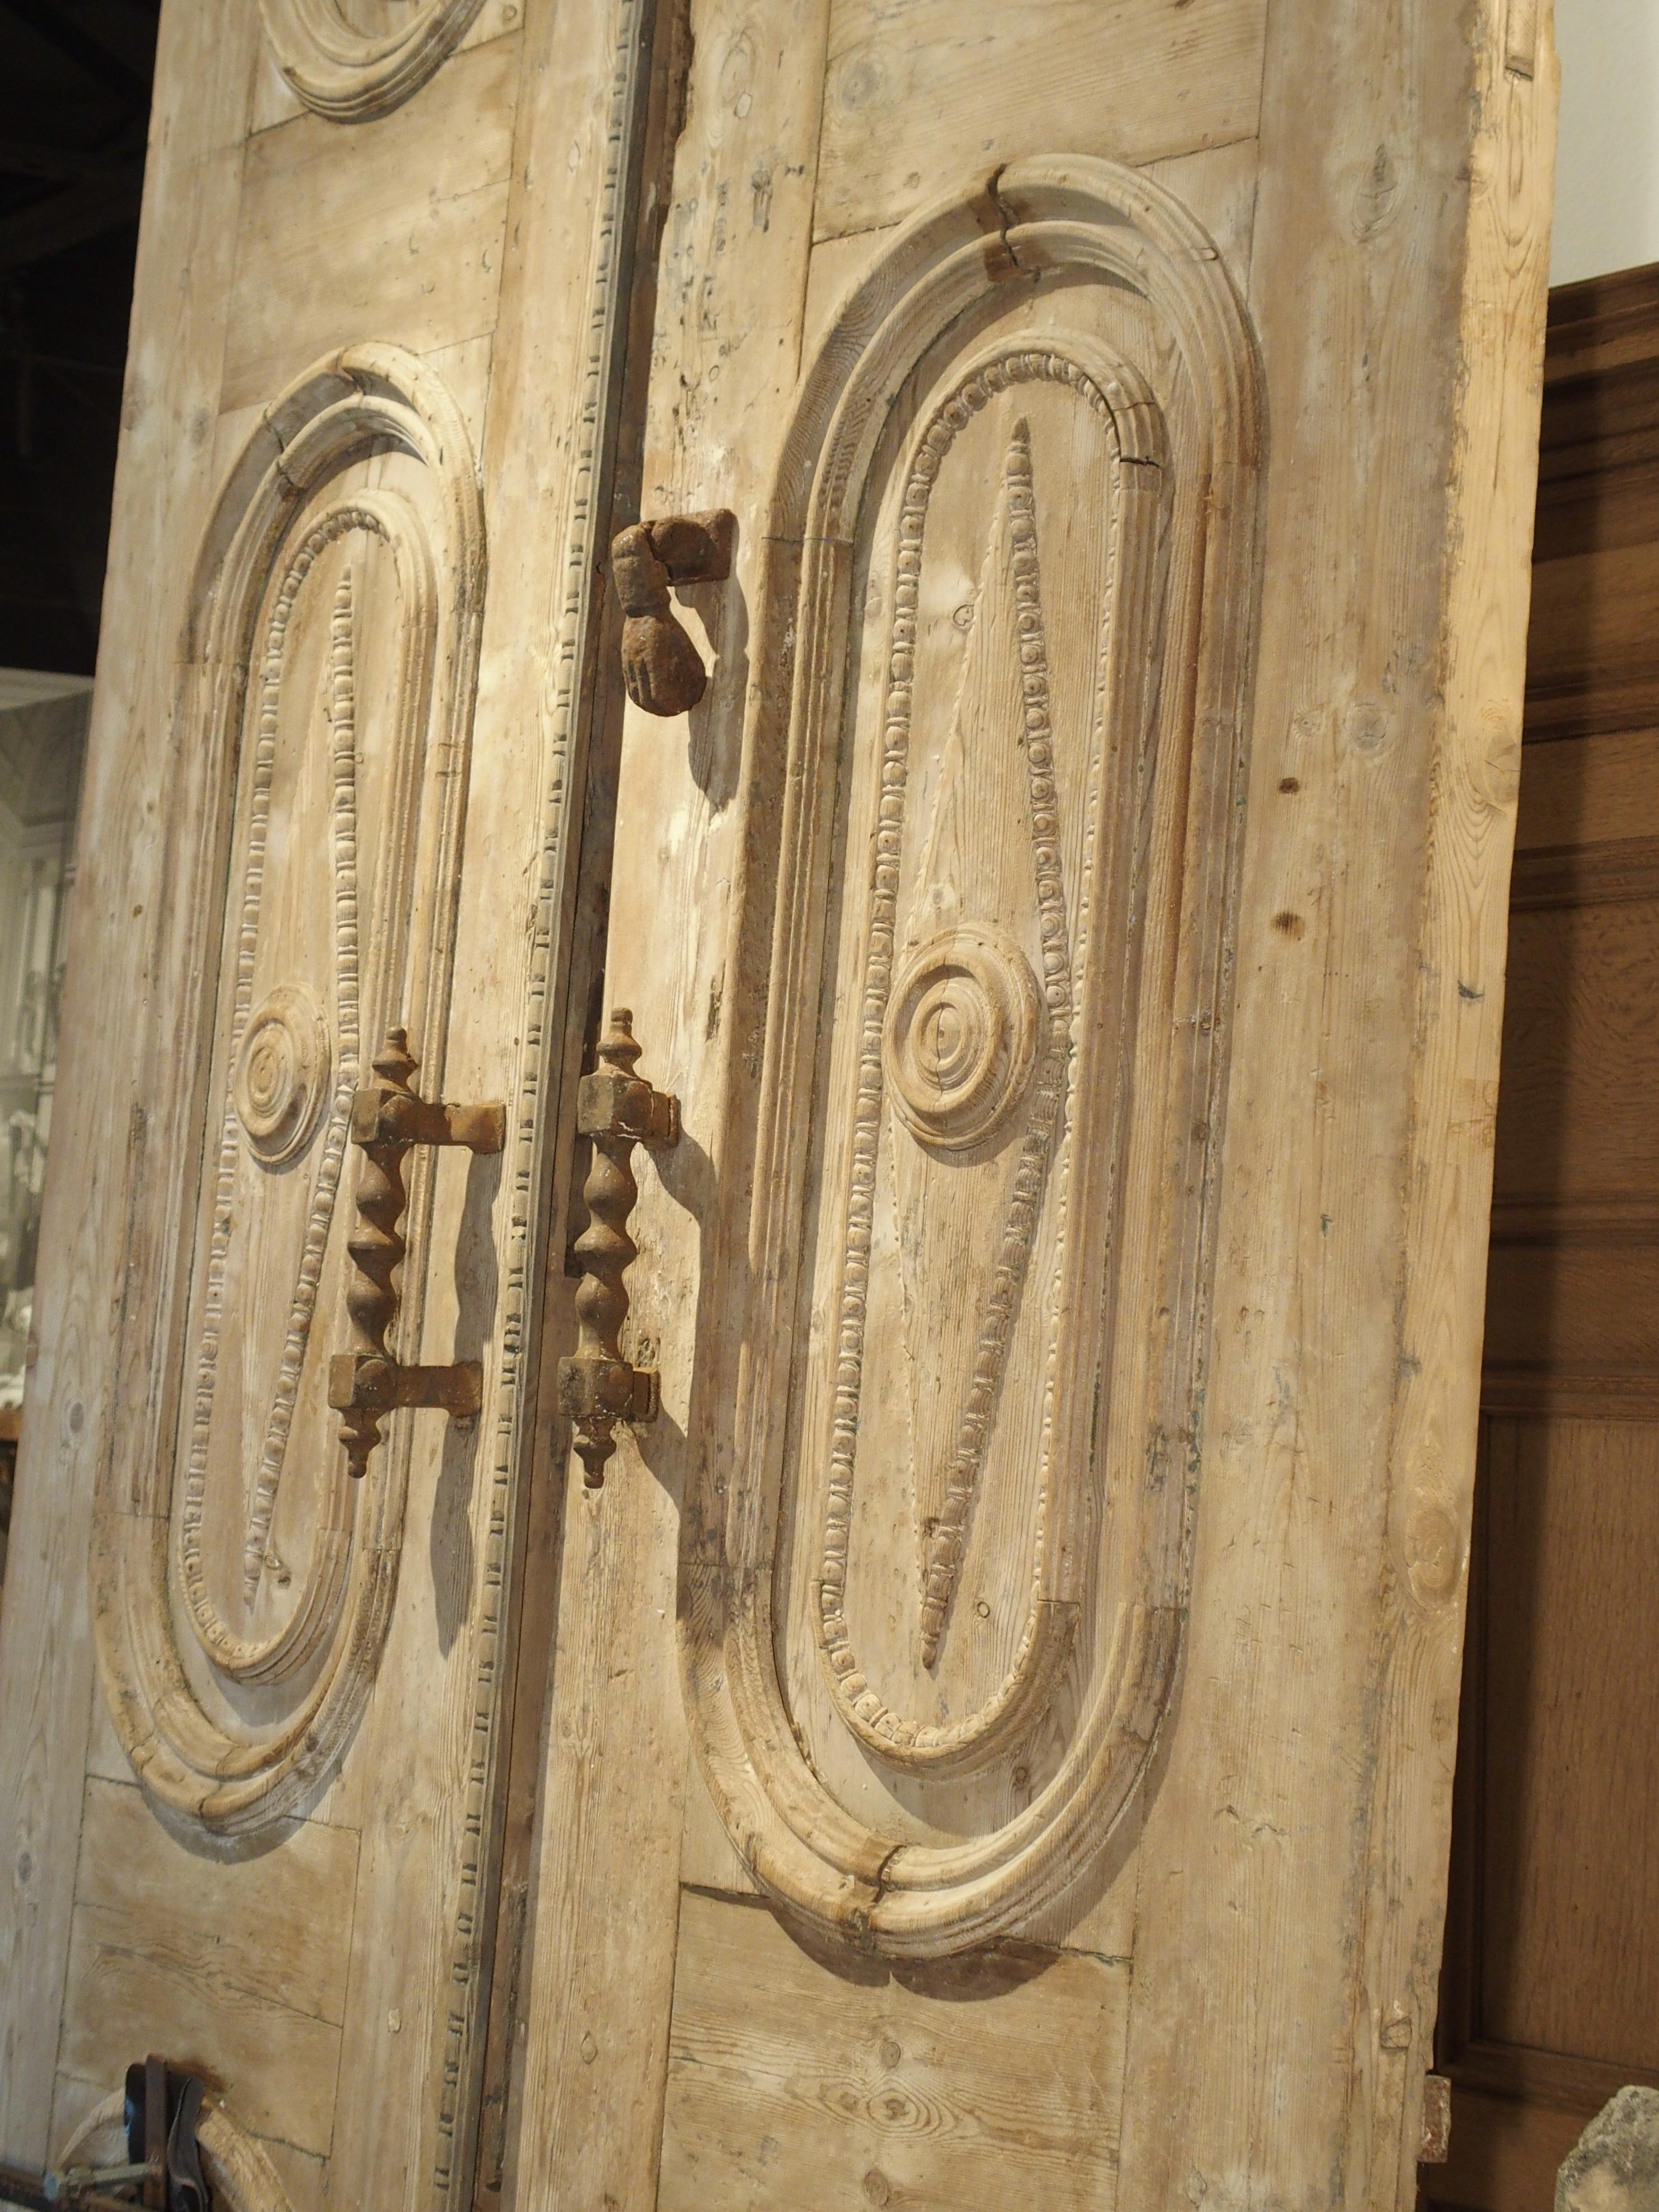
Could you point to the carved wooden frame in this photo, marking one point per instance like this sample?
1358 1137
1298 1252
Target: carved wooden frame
1088 217
366 399
348 75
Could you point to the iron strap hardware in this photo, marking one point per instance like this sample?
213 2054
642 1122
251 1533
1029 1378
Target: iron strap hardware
367 1382
618 1110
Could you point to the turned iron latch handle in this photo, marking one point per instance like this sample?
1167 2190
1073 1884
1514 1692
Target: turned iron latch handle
661 667
163 2169
367 1382
618 1110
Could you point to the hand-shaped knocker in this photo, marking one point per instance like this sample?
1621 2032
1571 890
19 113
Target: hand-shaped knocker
661 667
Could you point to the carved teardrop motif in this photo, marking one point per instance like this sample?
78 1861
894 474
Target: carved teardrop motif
271 1094
329 665
936 1549
966 1009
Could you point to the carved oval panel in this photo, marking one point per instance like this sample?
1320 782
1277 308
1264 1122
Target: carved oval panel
352 60
329 671
939 1569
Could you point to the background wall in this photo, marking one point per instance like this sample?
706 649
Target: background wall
1607 180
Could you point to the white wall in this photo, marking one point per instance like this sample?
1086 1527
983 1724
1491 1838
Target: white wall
1607 180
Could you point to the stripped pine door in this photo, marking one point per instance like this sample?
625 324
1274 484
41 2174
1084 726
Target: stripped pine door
254 1751
1003 1708
1002 1681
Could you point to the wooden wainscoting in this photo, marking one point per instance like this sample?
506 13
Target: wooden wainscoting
1551 1994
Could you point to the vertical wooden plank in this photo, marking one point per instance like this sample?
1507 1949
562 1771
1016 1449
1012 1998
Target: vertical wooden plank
425 1944
1252 1936
204 69
730 291
1456 1031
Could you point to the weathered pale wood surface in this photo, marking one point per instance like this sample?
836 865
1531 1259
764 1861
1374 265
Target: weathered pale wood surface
334 1974
913 100
1456 1029
599 1980
169 1951
334 238
796 2087
1279 1883
204 67
1240 1563
1295 1774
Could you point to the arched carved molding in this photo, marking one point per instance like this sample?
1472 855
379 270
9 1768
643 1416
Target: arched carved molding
1014 537
233 2163
346 65
349 530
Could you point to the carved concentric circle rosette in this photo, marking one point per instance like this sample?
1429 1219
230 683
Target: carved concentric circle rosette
281 1081
961 1036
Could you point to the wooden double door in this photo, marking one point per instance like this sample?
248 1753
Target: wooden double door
986 1734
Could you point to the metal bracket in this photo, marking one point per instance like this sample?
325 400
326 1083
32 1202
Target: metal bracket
367 1382
618 1110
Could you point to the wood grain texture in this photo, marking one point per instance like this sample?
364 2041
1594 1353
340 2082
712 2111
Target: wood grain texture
916 92
327 918
394 228
349 68
1593 791
1285 1798
1576 1135
267 1922
1502 2153
420 1766
163 488
1354 1223
1217 184
425 1934
600 1977
1456 1027
276 100
1570 1884
800 2081
233 1967
998 762
1295 1442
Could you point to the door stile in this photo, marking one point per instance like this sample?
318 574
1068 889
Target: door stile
730 298
119 985
555 419
646 93
1348 1303
411 1816
1434 1445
